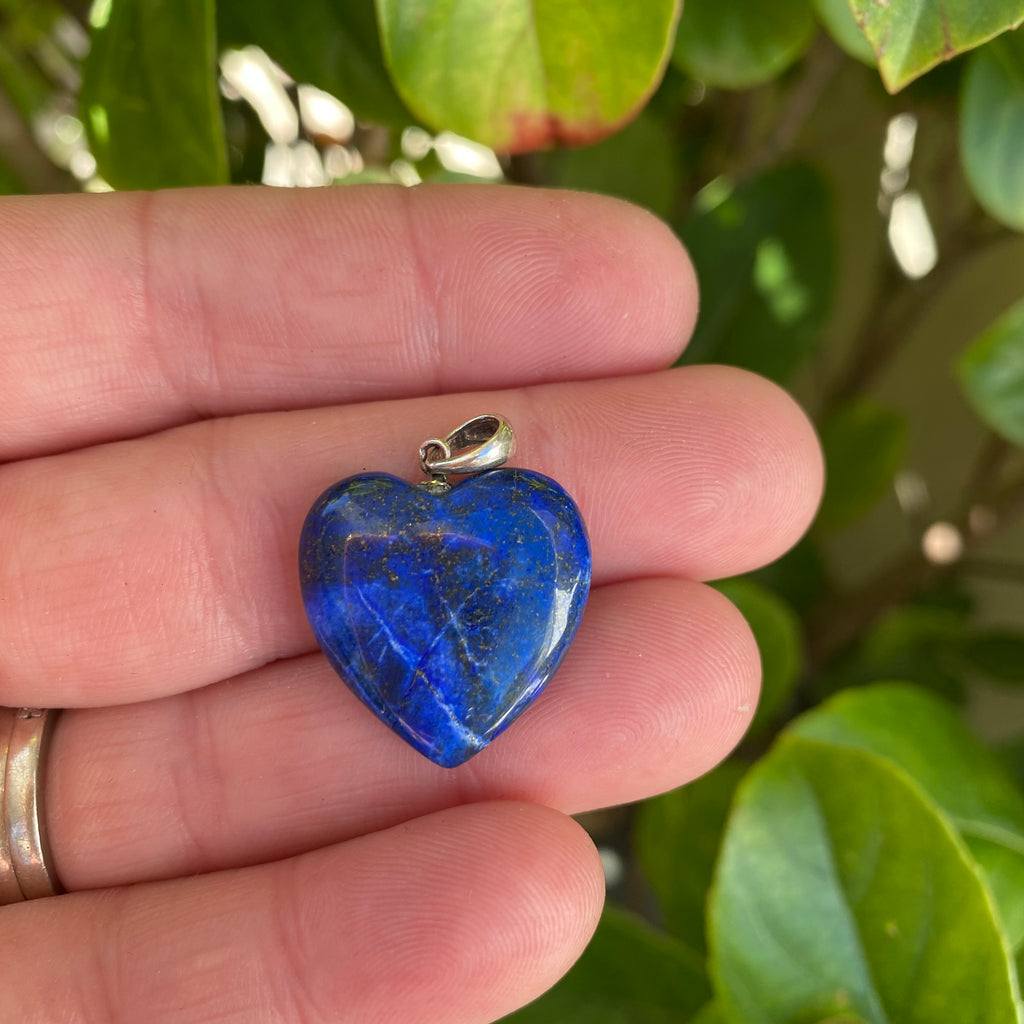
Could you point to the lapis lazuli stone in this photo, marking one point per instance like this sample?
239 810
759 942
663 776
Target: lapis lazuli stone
446 613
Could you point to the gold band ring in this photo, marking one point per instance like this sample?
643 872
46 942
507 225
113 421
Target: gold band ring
25 872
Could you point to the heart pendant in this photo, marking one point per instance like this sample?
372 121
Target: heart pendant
446 609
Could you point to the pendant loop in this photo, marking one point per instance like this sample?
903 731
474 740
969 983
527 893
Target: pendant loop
481 443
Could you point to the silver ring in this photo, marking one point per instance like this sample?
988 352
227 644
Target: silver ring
25 859
10 891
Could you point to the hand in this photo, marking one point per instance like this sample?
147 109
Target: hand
183 373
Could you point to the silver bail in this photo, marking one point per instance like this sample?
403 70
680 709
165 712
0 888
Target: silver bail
481 443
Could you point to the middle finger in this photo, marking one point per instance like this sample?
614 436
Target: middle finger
148 567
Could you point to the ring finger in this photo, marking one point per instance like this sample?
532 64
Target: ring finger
660 684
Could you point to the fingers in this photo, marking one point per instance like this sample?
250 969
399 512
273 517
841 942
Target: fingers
658 687
458 917
130 312
158 565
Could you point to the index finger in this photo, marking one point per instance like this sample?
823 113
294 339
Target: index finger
127 313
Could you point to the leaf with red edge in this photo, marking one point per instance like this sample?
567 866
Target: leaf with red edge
526 74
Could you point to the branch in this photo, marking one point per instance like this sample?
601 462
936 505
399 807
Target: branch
823 61
984 475
899 303
840 621
1011 572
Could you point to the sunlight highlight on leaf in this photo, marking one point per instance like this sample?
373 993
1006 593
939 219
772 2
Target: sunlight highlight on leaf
99 14
712 195
98 123
776 279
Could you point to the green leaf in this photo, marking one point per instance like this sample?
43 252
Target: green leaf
991 373
525 74
842 892
916 643
764 256
27 22
24 85
149 96
998 654
638 163
368 176
10 183
842 26
742 43
629 974
334 46
924 737
798 577
992 128
911 36
444 177
864 446
1010 754
676 838
710 1013
776 627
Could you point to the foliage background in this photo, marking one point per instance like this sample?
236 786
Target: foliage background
849 179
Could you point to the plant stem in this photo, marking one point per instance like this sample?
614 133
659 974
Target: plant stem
898 305
900 302
842 619
525 169
988 568
984 475
822 62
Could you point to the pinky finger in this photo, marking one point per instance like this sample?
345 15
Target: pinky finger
455 918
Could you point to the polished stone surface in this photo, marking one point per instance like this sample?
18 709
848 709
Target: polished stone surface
445 613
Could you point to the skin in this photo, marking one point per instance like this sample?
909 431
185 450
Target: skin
183 374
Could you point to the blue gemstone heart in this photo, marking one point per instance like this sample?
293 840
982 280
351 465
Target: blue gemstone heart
446 613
